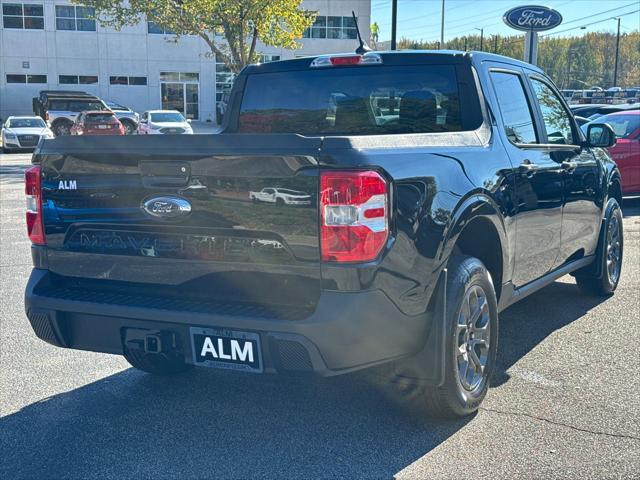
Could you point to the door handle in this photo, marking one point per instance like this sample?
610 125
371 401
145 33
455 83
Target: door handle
569 166
527 167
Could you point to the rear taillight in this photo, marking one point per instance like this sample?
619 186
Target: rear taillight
354 219
33 190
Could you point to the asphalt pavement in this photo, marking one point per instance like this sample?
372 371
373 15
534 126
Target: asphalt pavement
563 404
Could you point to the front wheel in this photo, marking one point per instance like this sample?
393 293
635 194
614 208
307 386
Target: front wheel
471 340
608 255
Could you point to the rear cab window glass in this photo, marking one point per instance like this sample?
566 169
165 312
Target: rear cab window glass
374 100
556 119
514 107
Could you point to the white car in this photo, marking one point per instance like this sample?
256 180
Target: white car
23 133
164 122
281 196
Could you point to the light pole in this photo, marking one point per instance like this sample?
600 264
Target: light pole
615 68
481 36
394 22
442 27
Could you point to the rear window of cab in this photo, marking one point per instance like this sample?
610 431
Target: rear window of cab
371 100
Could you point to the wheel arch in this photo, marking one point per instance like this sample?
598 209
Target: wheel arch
614 187
477 228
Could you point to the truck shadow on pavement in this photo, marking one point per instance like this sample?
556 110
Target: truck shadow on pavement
526 324
210 423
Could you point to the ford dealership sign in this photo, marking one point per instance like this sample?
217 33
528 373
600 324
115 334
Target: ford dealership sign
532 18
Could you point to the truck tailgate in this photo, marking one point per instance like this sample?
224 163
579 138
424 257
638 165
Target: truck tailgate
174 215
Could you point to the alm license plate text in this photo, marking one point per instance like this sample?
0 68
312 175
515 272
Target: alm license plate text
221 348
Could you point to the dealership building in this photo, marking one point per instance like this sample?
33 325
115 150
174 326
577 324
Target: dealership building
54 45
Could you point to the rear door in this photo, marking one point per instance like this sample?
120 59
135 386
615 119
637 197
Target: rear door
175 217
538 177
580 171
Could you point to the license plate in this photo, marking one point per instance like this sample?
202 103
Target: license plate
102 127
230 349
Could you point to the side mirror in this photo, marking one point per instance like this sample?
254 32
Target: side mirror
188 120
600 135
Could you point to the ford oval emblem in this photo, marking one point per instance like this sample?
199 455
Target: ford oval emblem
532 18
166 208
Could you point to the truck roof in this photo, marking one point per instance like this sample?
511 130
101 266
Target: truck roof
397 57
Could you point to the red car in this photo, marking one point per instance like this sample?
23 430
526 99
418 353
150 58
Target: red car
97 123
626 152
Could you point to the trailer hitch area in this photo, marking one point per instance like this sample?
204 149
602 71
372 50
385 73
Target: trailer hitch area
153 342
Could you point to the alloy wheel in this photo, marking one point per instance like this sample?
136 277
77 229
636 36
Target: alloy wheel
614 250
473 338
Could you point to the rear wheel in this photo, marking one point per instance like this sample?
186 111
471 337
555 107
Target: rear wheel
156 364
608 256
471 340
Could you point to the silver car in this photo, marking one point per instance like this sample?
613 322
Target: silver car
23 133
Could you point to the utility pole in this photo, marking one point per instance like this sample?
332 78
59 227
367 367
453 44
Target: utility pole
495 43
481 37
615 68
442 27
394 22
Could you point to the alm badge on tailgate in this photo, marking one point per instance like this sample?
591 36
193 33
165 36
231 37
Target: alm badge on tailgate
228 349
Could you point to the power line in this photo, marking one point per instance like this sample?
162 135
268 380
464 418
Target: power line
589 24
600 13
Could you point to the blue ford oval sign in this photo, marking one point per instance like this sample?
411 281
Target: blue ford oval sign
166 208
532 18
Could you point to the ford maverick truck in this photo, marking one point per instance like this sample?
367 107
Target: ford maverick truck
440 188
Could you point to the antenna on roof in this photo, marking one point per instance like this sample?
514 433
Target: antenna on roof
363 47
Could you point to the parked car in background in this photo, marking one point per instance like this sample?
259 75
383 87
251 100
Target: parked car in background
626 151
164 122
60 108
281 196
97 123
581 120
592 111
127 117
23 133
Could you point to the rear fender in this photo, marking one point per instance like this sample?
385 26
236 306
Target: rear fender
478 205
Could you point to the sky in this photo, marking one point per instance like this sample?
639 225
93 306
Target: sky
420 19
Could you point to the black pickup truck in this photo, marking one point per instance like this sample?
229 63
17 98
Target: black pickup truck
440 188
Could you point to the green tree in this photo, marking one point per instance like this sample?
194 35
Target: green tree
231 28
572 62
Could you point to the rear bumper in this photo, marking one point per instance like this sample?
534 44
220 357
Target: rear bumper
345 332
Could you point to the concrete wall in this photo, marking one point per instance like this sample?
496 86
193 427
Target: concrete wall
131 52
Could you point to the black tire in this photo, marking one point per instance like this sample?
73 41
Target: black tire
458 397
279 202
604 278
156 364
62 128
130 128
